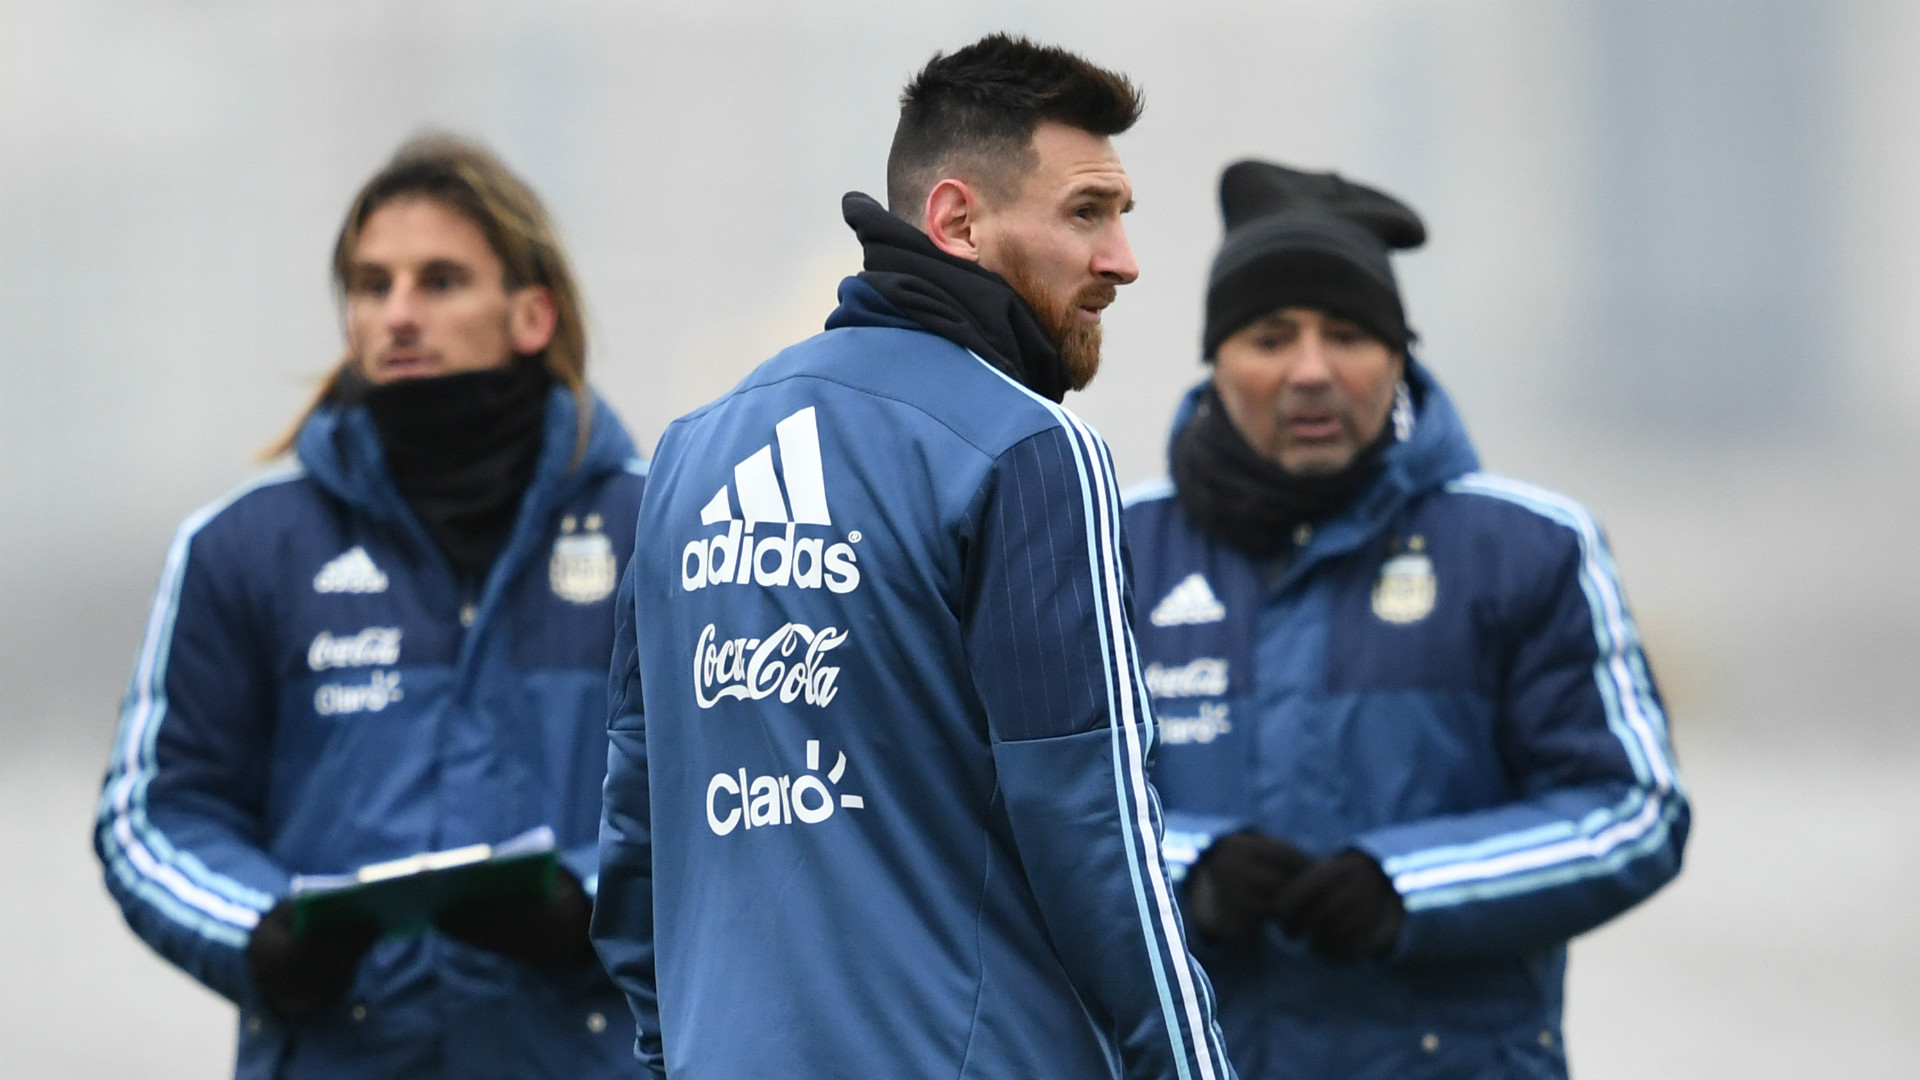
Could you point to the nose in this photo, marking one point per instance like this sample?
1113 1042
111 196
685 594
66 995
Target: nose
1310 366
1113 259
402 307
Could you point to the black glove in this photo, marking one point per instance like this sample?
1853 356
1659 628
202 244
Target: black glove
1344 906
302 977
1231 890
543 931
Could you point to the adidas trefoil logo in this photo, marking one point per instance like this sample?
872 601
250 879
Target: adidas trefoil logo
350 572
787 499
1190 603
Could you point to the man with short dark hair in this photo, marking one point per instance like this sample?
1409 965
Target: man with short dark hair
1411 745
877 803
397 646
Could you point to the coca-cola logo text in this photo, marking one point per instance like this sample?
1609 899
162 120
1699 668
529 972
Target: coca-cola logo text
787 662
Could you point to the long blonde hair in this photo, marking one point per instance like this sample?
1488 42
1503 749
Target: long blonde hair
469 179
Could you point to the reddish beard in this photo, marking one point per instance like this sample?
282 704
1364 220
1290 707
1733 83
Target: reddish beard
1077 339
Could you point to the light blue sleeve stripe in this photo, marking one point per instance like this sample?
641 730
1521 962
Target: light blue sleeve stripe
1590 825
1129 765
178 884
1203 1032
1613 633
1550 877
1621 666
1573 849
1634 718
1149 717
1115 728
210 929
1129 762
149 695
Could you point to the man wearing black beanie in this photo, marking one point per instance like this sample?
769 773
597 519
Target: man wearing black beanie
1409 742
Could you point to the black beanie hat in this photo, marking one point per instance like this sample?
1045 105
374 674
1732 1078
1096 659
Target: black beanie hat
1300 239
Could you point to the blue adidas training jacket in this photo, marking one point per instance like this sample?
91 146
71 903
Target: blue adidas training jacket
1446 677
877 803
316 693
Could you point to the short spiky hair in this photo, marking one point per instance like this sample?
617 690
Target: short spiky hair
971 115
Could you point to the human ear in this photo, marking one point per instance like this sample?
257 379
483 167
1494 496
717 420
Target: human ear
952 215
531 319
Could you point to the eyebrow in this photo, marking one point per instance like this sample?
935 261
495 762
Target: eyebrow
1108 192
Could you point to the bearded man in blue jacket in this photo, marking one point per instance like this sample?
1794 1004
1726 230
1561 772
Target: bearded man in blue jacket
877 803
397 645
1411 744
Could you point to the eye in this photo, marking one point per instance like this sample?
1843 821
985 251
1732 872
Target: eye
369 284
1345 334
439 279
1276 337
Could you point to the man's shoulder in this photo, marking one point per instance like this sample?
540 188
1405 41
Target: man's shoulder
276 498
239 536
1532 530
628 481
925 378
1156 525
1149 498
1502 501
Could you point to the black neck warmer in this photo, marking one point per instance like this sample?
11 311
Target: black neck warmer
462 449
1241 498
961 301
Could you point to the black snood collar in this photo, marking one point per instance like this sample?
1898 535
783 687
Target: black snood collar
462 449
1241 498
961 301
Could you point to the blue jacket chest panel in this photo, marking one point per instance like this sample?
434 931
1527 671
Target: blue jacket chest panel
561 608
1332 718
374 652
557 612
1409 612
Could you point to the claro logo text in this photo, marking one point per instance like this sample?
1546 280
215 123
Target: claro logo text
735 802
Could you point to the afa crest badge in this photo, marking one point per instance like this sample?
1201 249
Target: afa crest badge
1406 588
583 569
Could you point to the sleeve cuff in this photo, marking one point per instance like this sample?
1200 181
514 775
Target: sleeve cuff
1186 837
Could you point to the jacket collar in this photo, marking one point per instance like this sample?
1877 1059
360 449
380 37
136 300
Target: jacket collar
955 298
862 305
341 451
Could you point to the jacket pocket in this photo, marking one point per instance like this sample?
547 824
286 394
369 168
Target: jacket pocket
1539 1056
262 1050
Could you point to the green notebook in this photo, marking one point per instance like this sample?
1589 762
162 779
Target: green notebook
404 895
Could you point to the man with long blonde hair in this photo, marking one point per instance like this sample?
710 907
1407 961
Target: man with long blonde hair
398 645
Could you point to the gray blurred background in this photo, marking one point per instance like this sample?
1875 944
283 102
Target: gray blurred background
1675 271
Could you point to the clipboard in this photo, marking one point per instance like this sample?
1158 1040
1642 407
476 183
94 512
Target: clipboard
404 895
